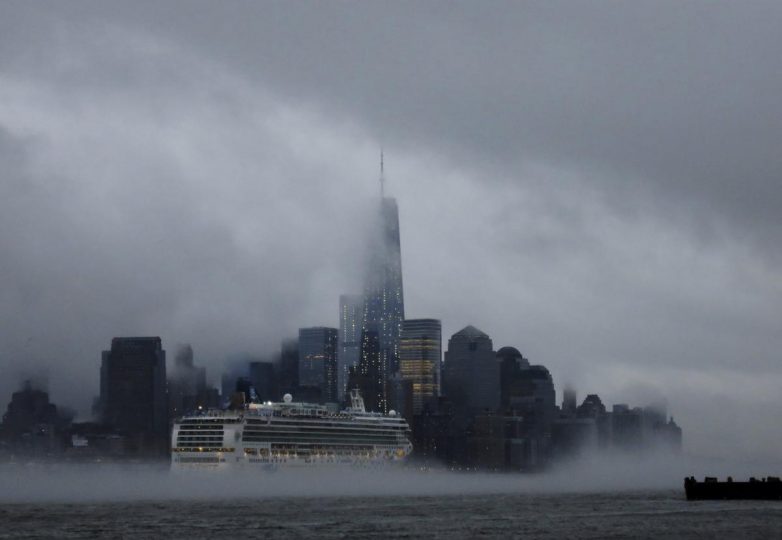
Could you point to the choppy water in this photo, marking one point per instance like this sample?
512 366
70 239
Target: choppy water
593 498
640 514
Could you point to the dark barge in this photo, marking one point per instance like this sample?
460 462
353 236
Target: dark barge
767 489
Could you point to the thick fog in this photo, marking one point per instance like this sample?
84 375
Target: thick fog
596 184
104 483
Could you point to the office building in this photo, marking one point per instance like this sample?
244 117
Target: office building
471 373
384 308
262 377
186 384
318 360
420 356
367 377
351 314
133 391
288 369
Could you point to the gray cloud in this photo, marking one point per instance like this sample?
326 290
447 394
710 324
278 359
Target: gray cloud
596 184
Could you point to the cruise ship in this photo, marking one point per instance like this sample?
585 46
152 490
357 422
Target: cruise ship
272 435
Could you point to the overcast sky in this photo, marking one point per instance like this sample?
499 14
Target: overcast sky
598 184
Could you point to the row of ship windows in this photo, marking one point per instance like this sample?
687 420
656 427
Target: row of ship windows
306 448
201 460
317 436
210 421
315 453
348 420
331 427
295 424
309 426
202 449
320 429
300 415
311 446
321 440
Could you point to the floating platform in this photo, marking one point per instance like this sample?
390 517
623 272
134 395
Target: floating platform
769 489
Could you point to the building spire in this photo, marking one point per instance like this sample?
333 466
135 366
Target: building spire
382 176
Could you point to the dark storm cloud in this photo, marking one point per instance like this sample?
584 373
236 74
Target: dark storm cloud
681 97
594 183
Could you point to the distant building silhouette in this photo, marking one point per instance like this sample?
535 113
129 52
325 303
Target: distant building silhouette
569 401
288 371
525 389
32 426
591 407
471 372
263 378
526 394
420 356
669 435
187 390
351 316
318 360
133 391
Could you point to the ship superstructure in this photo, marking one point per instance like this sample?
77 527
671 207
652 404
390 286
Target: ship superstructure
289 434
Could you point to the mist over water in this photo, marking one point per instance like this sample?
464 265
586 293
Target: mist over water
72 483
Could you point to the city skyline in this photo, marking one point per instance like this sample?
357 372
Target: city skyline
597 186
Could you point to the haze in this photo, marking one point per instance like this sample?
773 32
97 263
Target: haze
115 482
594 183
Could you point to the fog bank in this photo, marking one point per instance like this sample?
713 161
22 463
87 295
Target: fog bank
113 482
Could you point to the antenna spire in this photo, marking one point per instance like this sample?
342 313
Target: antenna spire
382 175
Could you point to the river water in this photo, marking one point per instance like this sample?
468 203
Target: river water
643 514
588 501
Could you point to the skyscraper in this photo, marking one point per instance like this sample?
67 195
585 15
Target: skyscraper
288 371
318 360
366 375
186 384
133 390
420 350
527 392
384 308
264 380
351 314
471 372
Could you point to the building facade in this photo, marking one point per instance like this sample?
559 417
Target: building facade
471 372
384 308
288 368
187 388
351 315
263 379
318 360
367 377
420 356
133 396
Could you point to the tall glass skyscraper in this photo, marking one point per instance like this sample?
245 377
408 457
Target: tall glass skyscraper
384 307
420 351
351 317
